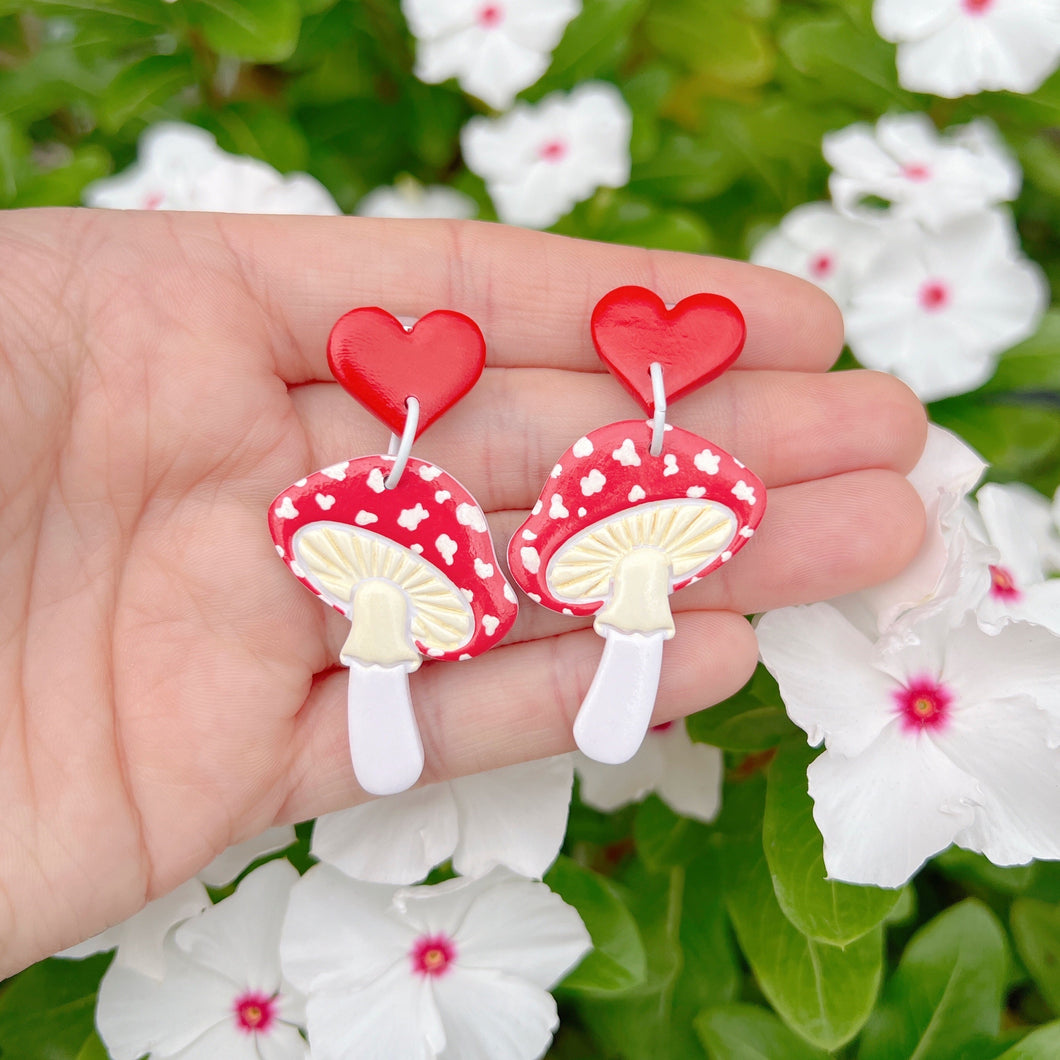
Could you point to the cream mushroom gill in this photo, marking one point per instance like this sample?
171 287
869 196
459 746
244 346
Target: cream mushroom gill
414 571
615 531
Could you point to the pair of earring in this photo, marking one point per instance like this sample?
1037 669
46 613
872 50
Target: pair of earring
631 512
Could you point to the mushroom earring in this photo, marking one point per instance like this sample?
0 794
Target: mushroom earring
393 543
638 509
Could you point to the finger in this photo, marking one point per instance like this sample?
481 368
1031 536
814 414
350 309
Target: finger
531 293
818 540
503 439
512 705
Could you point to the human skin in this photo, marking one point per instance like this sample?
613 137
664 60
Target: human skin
167 688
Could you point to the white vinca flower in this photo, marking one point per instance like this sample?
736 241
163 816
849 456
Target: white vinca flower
494 48
936 309
959 47
687 776
821 245
949 574
950 739
539 160
408 198
459 971
180 167
926 177
222 993
1019 591
516 817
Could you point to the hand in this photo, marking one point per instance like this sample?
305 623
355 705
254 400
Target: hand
167 688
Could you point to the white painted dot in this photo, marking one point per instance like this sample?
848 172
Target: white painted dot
529 535
325 500
581 513
626 454
556 509
418 549
707 461
556 471
531 561
286 509
337 471
363 518
536 510
743 492
297 569
747 531
429 472
568 611
446 547
471 515
435 653
468 595
301 482
490 624
279 551
463 658
696 491
509 594
441 496
376 482
534 596
726 556
582 447
594 482
483 569
670 462
637 494
410 518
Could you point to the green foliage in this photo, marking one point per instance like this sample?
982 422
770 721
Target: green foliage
747 1032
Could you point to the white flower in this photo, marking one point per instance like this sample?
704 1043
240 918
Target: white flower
936 309
139 939
1018 589
949 572
1041 519
231 862
516 817
950 739
180 167
409 198
538 161
222 994
494 48
460 970
819 244
958 47
687 776
926 177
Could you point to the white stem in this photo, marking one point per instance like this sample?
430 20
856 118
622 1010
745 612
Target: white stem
615 713
385 743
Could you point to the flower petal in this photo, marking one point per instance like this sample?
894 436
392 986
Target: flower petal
488 1016
692 782
607 787
516 817
231 862
829 683
226 1040
886 811
397 839
280 1042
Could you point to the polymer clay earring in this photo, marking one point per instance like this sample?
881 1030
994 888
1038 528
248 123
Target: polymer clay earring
394 543
638 509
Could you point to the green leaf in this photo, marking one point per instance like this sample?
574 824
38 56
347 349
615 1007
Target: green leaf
945 998
63 185
592 44
666 839
93 1049
264 31
751 720
979 871
820 908
747 1032
822 992
617 961
1033 365
1041 1044
48 1011
686 169
713 37
143 86
1036 929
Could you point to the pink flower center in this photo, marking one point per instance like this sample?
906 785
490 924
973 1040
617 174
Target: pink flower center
934 295
153 199
553 151
432 954
821 265
923 703
916 172
1003 585
491 15
976 7
255 1012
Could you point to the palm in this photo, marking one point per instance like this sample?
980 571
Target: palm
166 680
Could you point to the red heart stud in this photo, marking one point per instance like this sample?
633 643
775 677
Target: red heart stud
694 342
381 364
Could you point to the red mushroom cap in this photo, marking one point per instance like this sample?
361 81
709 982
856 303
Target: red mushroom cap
610 472
428 513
